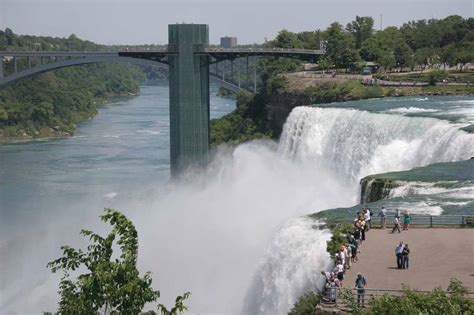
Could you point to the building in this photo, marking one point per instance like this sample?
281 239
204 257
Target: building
228 42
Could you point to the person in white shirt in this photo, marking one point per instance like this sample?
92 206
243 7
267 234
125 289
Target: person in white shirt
396 225
367 218
340 272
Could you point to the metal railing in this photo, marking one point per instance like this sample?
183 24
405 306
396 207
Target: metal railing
333 295
419 220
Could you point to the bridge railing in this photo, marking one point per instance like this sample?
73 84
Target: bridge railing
265 50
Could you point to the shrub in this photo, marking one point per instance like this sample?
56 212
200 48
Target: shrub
338 238
306 304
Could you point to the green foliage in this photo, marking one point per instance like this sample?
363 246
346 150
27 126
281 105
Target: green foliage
338 238
246 122
413 302
340 46
178 307
351 90
53 103
436 76
110 285
361 29
306 304
435 302
347 295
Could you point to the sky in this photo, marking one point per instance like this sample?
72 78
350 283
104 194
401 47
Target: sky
135 22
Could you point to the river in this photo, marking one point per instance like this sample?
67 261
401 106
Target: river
233 237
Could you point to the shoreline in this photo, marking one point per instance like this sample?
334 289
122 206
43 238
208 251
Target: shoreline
47 133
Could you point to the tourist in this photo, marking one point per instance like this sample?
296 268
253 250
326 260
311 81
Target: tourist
398 213
399 255
383 218
360 285
327 275
367 219
405 254
341 255
406 221
348 253
357 236
340 272
362 225
353 248
396 225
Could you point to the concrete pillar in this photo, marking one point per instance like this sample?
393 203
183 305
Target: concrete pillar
29 62
15 69
223 70
255 78
189 96
238 71
247 80
1 67
232 70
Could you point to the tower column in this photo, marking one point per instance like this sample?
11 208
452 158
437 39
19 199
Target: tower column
189 96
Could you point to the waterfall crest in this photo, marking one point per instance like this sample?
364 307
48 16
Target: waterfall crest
357 143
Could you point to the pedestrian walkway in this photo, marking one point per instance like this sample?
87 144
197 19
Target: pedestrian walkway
436 256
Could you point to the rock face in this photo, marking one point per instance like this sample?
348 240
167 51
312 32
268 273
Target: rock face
374 189
280 106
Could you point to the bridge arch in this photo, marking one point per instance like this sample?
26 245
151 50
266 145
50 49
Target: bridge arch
44 68
9 80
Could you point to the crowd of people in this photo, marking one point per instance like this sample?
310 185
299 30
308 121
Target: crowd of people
347 254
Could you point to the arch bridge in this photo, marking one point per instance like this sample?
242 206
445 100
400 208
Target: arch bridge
188 58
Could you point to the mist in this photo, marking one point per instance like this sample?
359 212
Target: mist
209 235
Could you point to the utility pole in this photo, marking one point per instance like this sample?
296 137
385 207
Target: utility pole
381 19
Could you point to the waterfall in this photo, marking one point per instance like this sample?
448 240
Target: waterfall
350 144
235 238
357 143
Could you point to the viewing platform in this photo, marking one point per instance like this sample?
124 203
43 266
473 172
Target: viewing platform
436 256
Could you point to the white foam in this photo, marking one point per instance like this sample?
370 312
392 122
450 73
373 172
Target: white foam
358 143
290 268
407 110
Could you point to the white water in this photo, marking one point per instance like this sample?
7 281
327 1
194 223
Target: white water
357 143
208 236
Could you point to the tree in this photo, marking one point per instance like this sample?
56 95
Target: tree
423 57
324 64
340 47
112 286
387 60
287 39
361 29
464 55
403 55
447 55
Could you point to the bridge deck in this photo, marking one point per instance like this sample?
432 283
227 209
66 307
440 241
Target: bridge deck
436 256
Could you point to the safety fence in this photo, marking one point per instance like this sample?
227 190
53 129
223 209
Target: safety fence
419 220
363 296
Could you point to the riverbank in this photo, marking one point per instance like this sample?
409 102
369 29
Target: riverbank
51 105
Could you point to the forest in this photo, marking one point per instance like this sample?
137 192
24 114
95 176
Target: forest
52 104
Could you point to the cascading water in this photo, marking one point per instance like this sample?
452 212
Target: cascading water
358 143
351 144
208 237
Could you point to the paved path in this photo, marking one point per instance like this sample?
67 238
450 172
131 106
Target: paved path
436 256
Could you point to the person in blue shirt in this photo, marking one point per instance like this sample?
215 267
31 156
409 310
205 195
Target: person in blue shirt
360 285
